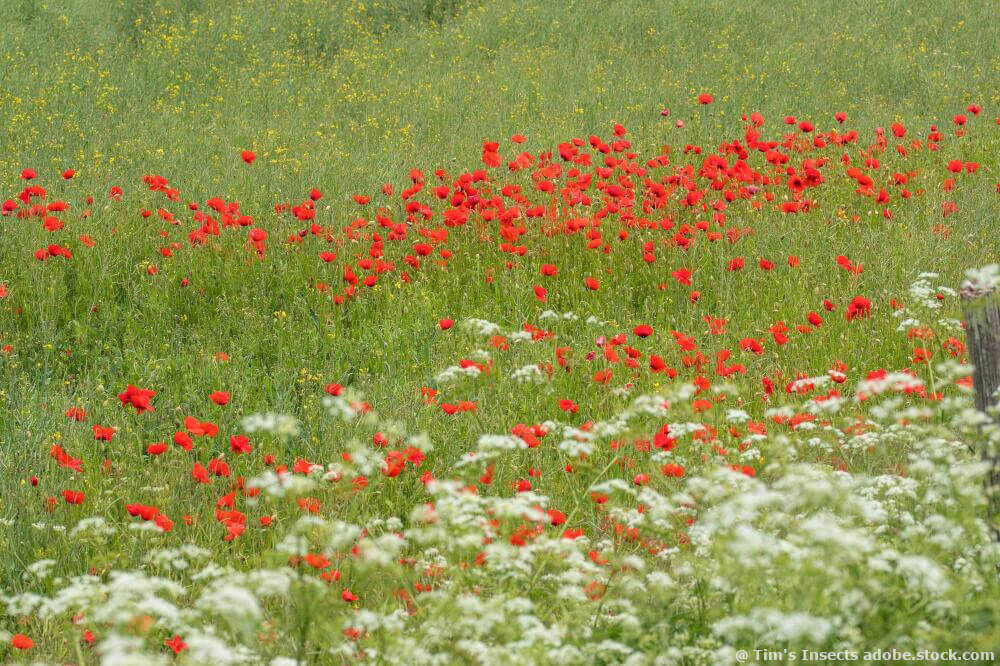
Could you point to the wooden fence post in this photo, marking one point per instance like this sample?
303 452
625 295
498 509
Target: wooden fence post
981 309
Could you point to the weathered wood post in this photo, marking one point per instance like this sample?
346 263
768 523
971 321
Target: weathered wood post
981 310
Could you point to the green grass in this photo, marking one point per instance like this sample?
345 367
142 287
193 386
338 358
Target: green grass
347 96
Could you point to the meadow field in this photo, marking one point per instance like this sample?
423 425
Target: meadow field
495 332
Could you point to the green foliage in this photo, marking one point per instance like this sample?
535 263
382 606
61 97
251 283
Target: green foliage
345 96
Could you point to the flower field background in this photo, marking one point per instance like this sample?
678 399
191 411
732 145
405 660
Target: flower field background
492 332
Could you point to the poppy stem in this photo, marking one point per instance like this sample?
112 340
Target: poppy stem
569 519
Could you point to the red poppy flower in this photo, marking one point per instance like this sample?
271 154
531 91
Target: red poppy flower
199 473
859 308
21 642
183 440
138 398
76 414
73 496
198 428
672 469
175 644
568 406
240 444
643 330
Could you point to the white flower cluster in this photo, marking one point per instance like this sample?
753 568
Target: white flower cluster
984 278
454 372
481 326
280 425
528 374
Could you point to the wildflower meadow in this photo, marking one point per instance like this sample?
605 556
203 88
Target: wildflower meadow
497 332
